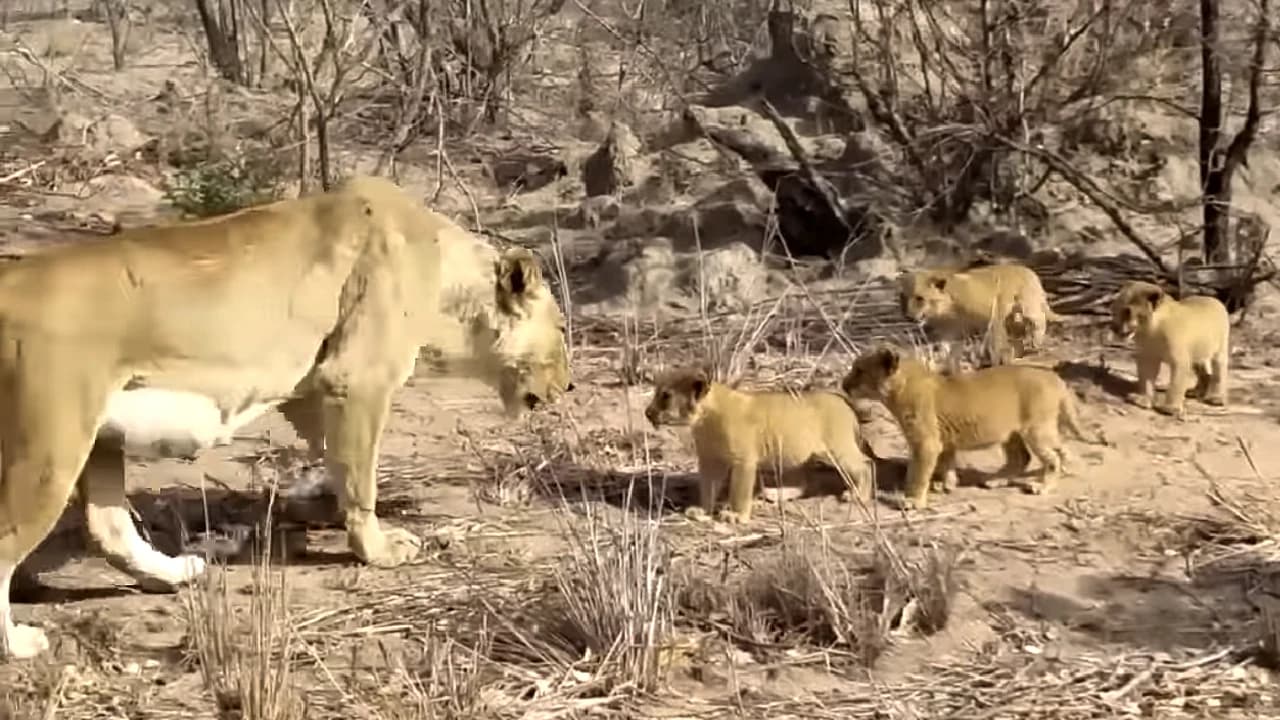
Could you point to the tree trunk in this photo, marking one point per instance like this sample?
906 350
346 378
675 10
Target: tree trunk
223 48
1216 188
117 12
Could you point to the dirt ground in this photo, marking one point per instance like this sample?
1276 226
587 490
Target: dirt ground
560 576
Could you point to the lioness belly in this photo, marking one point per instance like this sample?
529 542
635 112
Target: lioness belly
159 423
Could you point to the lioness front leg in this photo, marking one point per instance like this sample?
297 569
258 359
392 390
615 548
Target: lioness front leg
353 433
110 527
742 490
1181 379
47 432
1148 369
920 469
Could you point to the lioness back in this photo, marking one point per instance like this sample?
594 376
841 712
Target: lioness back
985 406
804 424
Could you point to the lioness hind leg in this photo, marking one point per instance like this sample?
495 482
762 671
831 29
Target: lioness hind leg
353 432
854 467
110 527
1016 459
944 478
1204 380
1216 392
1046 444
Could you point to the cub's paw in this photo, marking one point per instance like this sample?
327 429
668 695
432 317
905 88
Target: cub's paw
398 547
1215 400
729 517
696 513
24 642
995 483
1138 400
910 502
1177 413
781 494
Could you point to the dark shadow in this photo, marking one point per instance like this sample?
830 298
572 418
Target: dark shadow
1153 613
658 492
1096 375
891 475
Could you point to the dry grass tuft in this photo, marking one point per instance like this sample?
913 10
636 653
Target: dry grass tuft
810 592
607 610
245 653
447 680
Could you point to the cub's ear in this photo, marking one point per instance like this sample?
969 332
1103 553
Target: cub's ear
699 384
939 283
518 273
1153 297
888 359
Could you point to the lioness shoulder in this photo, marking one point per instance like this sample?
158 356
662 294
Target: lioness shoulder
1191 336
734 431
1003 299
1016 406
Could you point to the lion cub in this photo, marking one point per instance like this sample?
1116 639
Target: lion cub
734 431
1004 301
1017 406
1191 336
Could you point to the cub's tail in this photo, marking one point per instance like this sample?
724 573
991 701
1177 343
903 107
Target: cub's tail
1070 417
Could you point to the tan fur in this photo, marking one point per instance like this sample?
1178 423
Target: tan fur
735 431
1017 406
317 305
1004 302
1192 336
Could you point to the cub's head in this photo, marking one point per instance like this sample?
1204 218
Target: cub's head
1133 307
528 348
870 374
676 396
924 295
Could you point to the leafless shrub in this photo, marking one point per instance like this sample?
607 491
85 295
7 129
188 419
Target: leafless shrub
811 592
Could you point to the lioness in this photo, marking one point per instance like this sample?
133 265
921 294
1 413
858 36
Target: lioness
1191 336
1018 406
1003 301
734 431
161 341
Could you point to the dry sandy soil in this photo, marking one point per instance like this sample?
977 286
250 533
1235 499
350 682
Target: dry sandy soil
562 580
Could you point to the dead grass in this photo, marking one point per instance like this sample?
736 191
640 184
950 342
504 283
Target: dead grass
607 608
245 654
813 592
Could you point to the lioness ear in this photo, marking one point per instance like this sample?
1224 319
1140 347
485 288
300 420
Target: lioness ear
518 273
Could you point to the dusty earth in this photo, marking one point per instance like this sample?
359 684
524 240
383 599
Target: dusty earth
1144 585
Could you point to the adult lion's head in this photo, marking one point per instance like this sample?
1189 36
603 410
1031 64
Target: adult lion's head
527 352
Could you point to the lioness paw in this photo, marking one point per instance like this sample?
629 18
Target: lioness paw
696 513
23 642
729 517
399 546
1139 400
908 502
173 574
